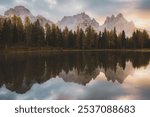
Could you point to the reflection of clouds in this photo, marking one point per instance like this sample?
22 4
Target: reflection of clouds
135 86
58 89
128 97
5 94
140 76
139 83
142 72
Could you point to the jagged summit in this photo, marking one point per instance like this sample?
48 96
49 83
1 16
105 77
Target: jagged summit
120 15
120 23
81 20
24 12
116 19
18 10
21 9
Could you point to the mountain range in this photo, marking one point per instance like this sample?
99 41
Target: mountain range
81 20
120 23
23 12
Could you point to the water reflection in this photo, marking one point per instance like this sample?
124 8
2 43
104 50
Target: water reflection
56 75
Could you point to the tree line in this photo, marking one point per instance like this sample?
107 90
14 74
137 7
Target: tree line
13 32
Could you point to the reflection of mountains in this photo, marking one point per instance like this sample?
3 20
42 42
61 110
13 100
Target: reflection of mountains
20 72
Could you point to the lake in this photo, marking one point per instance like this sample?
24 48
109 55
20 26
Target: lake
81 75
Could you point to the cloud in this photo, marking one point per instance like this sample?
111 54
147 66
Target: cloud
51 2
1 9
144 5
18 2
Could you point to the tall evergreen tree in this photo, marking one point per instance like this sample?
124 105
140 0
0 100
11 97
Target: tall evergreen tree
28 31
115 38
37 34
79 38
1 26
7 33
71 41
90 37
59 39
123 39
146 40
48 34
65 37
104 41
99 40
20 31
53 36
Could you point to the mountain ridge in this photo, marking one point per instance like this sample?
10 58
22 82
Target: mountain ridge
120 23
81 20
23 12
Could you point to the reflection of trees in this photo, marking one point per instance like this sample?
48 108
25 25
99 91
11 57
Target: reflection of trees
20 72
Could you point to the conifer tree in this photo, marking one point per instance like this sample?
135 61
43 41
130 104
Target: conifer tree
65 37
115 38
48 34
123 39
20 31
7 33
28 31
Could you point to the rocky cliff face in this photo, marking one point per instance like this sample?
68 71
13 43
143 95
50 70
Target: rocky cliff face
43 20
81 20
120 23
20 11
23 12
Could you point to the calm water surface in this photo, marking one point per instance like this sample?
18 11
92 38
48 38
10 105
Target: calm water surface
75 75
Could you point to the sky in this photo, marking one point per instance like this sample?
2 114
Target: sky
137 11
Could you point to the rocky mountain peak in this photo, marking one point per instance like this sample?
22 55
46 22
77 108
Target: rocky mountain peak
82 20
120 15
23 12
18 10
82 13
21 9
112 17
120 23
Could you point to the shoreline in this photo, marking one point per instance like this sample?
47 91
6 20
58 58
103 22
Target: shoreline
48 50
